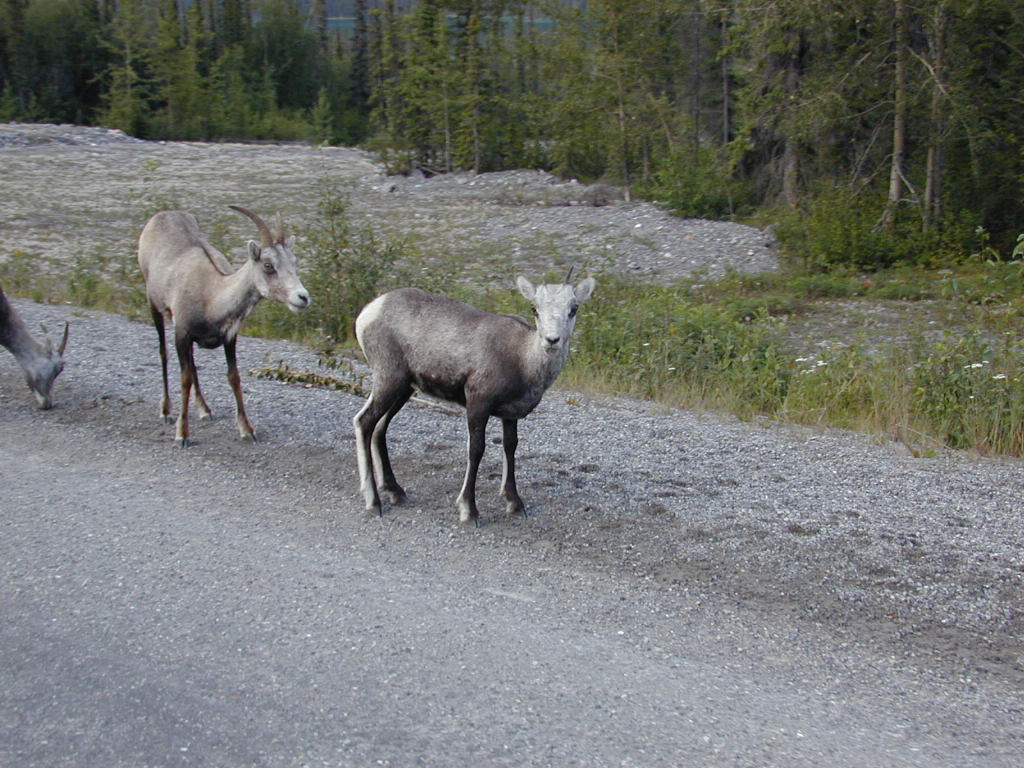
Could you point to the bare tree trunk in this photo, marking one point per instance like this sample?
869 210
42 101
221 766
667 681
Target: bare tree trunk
790 152
696 84
627 176
932 212
726 116
899 119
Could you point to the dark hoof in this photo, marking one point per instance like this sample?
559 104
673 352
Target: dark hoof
394 497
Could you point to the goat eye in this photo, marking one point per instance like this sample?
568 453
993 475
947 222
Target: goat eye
572 312
268 268
535 312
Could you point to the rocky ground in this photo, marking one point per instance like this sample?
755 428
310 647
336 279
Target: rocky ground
72 191
919 557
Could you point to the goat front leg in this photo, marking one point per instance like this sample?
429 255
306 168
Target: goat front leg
509 441
245 430
476 423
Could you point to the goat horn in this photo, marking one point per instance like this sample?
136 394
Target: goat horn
266 238
64 340
568 277
280 228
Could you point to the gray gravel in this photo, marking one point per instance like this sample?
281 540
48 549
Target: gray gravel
687 590
71 192
823 525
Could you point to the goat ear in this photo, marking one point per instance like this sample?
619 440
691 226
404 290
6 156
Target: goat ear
526 288
49 341
255 251
584 289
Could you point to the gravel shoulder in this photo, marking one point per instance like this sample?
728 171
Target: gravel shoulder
918 558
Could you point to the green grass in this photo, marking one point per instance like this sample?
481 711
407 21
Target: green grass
715 344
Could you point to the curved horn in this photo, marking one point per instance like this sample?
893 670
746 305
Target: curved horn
568 277
266 238
63 341
280 229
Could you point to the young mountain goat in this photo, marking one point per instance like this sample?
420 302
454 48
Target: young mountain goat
41 362
191 283
494 365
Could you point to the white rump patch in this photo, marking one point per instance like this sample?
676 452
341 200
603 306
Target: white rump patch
370 313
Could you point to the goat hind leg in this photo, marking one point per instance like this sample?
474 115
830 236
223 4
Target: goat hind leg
188 372
204 409
165 401
363 424
387 485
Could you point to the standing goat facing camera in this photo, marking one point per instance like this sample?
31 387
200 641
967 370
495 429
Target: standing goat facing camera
192 284
494 365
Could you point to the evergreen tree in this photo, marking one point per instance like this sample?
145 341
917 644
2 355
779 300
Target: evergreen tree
14 55
179 87
322 118
127 86
229 110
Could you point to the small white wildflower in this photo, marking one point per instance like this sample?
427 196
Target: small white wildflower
974 365
999 376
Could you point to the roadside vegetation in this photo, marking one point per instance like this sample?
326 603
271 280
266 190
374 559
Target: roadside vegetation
946 371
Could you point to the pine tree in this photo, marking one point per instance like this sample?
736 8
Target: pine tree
322 118
14 55
127 92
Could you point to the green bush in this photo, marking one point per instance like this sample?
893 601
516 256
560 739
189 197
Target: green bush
654 342
841 228
344 269
970 391
698 183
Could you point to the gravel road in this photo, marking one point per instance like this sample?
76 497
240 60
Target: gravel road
688 590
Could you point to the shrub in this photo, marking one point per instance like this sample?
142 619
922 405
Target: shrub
697 183
970 391
839 227
344 270
654 342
